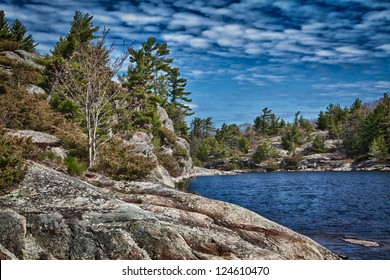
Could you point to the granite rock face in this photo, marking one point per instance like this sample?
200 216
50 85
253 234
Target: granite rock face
24 58
54 216
164 118
38 138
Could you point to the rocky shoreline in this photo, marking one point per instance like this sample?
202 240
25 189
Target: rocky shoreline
51 215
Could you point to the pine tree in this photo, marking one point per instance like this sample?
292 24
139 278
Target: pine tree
18 33
178 108
82 31
146 81
5 33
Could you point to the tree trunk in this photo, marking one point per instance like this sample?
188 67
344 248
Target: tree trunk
52 89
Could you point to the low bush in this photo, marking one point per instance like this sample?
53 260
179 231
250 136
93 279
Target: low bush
75 167
73 140
13 153
117 162
180 151
49 155
170 163
8 45
291 163
167 135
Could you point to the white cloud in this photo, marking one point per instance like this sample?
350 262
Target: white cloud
137 18
351 50
385 47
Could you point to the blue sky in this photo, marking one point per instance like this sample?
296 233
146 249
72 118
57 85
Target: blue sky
242 56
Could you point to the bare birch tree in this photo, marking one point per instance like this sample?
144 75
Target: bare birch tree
87 81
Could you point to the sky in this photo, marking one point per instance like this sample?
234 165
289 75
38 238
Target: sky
242 56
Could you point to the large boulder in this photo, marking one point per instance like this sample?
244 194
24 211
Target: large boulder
141 143
164 119
39 138
162 176
24 58
54 216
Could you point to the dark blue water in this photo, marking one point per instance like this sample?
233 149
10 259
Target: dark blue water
326 206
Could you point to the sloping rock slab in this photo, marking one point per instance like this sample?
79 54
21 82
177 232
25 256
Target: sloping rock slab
39 138
61 217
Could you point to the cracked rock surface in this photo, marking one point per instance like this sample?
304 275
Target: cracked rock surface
51 215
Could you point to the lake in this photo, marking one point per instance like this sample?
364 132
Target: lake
329 207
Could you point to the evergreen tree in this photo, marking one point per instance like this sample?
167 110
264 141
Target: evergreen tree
146 81
18 32
5 33
267 123
379 148
82 31
178 108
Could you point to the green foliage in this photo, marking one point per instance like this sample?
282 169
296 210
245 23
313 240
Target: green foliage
318 145
81 32
18 32
244 145
178 115
74 166
228 135
202 128
116 161
21 110
264 152
13 153
291 163
292 136
5 33
211 149
379 149
166 135
267 123
273 166
14 37
180 151
170 163
8 45
66 107
332 120
49 155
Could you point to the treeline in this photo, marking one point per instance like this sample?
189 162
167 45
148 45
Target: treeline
90 112
361 131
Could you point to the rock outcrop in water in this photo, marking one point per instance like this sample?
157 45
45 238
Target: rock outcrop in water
51 215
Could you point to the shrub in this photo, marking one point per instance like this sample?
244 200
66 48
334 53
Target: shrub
73 140
170 163
166 134
13 153
8 45
5 61
265 151
244 145
74 166
291 163
21 110
117 162
378 149
318 145
50 156
181 152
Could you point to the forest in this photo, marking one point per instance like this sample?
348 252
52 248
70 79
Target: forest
94 107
